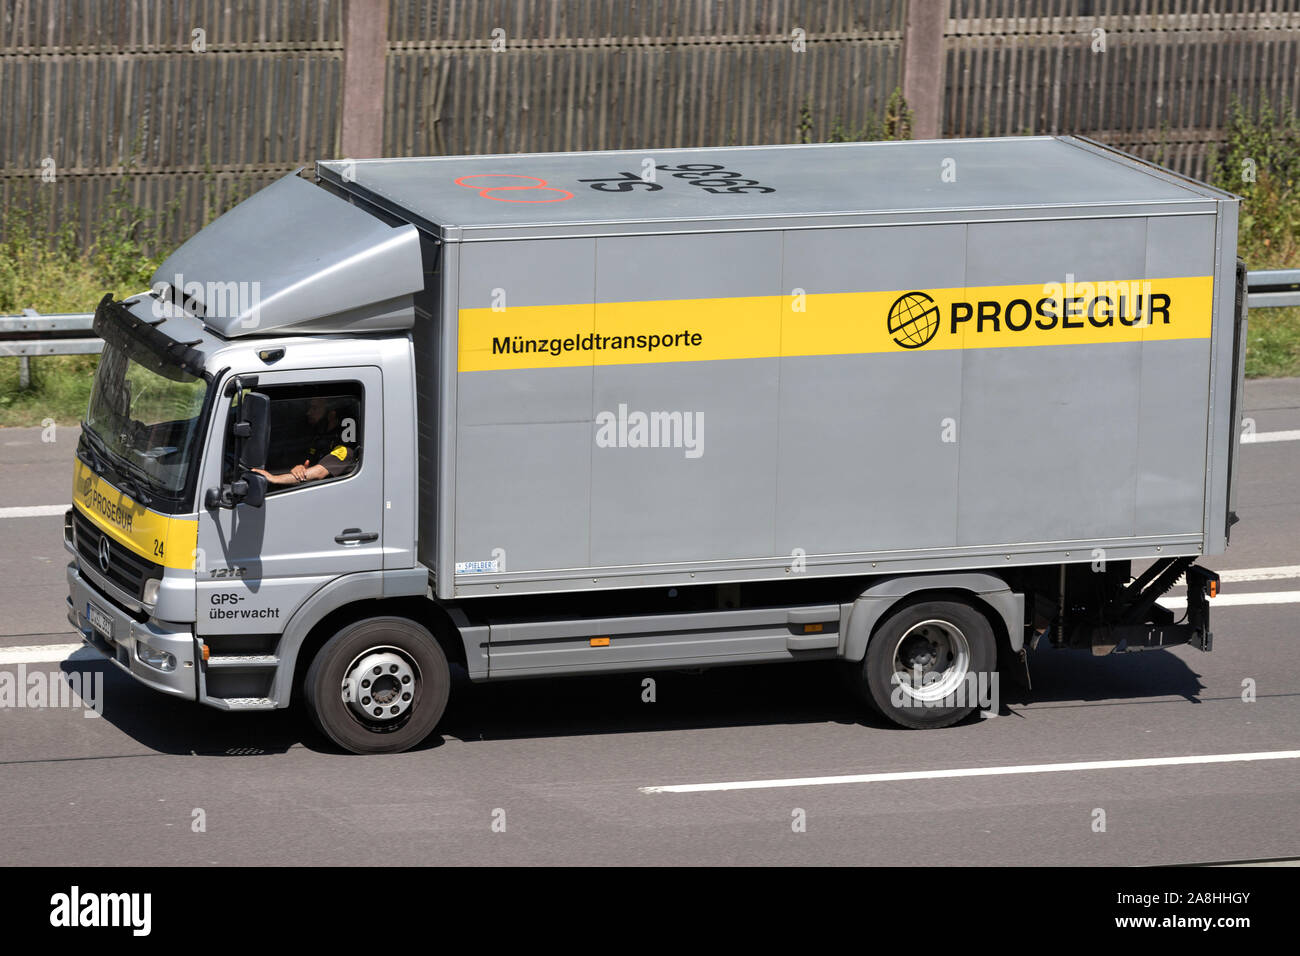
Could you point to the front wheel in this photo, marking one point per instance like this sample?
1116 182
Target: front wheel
378 686
931 664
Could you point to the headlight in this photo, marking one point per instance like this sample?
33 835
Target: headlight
150 593
159 659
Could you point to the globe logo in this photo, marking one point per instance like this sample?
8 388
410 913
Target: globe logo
913 319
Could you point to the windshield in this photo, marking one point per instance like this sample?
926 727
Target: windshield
146 417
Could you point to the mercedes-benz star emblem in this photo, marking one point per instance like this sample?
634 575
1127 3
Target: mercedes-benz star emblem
104 553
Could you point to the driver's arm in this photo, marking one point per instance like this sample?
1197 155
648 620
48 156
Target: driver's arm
295 475
335 463
284 478
307 472
338 461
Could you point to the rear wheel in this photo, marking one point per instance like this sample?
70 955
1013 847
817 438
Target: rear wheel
931 664
378 686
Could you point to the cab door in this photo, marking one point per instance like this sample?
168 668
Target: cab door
256 566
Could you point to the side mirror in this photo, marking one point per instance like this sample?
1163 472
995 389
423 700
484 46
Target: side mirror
253 429
252 433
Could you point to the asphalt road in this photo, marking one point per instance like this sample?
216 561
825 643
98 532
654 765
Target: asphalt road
557 771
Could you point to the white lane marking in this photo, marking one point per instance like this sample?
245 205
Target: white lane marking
1261 574
1239 600
33 511
1251 438
1279 573
973 772
48 654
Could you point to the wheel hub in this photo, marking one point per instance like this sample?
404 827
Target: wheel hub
916 651
931 660
379 685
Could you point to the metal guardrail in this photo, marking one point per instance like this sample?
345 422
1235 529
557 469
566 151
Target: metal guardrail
34 334
1272 288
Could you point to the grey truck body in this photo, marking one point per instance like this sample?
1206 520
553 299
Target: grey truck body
823 428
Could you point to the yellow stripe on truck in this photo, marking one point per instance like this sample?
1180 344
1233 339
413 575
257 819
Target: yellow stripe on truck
849 323
156 537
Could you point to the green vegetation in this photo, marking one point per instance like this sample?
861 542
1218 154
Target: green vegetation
56 274
1273 343
59 389
1260 162
894 123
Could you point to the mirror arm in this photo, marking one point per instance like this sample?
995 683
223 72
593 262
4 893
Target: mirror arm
215 498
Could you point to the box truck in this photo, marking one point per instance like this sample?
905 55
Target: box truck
912 406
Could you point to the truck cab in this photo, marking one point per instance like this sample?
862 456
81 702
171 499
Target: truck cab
189 560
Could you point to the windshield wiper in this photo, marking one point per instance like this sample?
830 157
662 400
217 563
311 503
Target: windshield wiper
94 461
132 488
141 477
98 456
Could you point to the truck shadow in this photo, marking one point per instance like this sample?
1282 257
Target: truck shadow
1070 676
624 703
676 700
171 726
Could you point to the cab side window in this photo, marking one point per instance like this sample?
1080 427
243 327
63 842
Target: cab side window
315 434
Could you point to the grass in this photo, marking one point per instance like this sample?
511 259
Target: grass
1273 343
48 279
60 389
57 274
1259 160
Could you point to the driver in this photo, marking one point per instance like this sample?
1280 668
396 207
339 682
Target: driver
323 445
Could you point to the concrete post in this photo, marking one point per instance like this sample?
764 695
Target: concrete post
923 57
365 47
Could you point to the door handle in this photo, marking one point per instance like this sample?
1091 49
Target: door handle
356 536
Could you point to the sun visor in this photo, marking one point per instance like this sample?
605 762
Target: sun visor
295 257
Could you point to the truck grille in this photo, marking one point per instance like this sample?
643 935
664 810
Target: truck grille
126 569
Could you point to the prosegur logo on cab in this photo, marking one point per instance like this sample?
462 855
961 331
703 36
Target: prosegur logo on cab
113 511
915 318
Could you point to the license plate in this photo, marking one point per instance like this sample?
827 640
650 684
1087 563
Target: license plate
100 621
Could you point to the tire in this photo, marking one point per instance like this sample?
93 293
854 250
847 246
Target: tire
409 690
950 642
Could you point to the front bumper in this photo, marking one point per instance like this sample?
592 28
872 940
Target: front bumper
128 635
